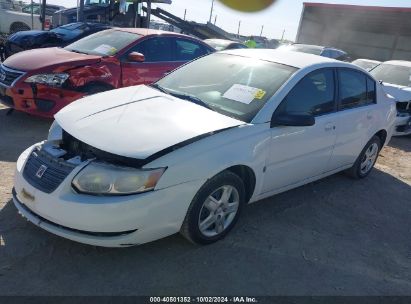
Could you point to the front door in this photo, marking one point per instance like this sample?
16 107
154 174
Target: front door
299 153
159 60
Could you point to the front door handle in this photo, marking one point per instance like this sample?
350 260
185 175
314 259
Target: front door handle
329 127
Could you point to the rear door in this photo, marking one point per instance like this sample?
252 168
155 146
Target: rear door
160 59
356 116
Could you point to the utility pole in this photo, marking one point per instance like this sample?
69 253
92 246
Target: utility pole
185 13
32 14
211 11
81 11
78 11
262 28
239 25
43 14
215 19
282 37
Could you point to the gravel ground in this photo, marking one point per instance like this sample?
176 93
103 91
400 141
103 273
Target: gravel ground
336 236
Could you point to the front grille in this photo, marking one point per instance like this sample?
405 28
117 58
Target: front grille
75 147
404 107
54 171
9 76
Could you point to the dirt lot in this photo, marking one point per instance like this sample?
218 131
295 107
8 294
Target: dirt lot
336 236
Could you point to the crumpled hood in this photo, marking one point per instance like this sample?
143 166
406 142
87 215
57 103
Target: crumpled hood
41 58
400 93
138 121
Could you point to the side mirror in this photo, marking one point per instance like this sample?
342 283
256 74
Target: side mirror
295 120
136 57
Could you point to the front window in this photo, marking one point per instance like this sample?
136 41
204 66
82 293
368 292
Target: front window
104 43
232 85
395 74
314 94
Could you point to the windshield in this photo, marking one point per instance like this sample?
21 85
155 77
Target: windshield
104 43
395 74
70 31
232 85
367 65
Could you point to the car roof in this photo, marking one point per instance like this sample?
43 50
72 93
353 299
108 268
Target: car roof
320 47
295 59
148 32
220 40
368 60
310 45
399 62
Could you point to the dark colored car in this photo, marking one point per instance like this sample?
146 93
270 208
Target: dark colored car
323 51
60 36
42 81
223 44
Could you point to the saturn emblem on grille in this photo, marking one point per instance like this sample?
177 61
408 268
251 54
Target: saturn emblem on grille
2 76
41 171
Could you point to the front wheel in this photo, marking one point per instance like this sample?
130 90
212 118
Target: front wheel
215 209
367 159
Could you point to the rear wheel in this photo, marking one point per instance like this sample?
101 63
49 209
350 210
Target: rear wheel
18 27
367 159
215 209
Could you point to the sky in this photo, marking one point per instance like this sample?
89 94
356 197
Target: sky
282 16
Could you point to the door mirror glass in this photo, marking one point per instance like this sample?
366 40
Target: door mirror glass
295 120
136 57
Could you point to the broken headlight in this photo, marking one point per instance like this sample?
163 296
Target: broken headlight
54 80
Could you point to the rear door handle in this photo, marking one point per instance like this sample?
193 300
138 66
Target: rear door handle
369 116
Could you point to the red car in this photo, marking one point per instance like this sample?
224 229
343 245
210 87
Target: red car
42 81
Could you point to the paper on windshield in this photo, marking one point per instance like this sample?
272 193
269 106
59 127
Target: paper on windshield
105 49
243 93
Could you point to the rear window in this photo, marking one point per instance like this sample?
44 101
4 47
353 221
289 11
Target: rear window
356 89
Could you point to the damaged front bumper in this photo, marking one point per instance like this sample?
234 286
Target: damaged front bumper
402 125
109 221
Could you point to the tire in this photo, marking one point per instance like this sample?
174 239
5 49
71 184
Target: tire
366 160
221 220
18 27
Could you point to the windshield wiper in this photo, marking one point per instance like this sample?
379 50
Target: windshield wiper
191 98
188 97
158 87
78 52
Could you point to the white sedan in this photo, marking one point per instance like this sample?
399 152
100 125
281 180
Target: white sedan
395 76
187 153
